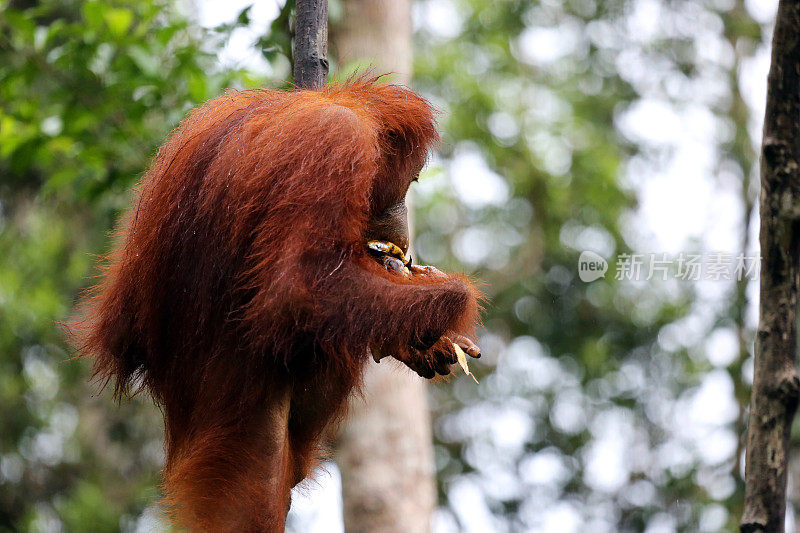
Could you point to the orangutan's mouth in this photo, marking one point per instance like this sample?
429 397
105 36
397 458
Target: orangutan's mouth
390 256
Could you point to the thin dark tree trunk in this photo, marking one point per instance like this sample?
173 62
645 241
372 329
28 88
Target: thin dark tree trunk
775 388
311 44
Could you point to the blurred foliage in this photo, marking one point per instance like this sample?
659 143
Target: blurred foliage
277 42
88 90
578 368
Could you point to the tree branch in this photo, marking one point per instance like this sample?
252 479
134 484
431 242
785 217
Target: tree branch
775 386
311 44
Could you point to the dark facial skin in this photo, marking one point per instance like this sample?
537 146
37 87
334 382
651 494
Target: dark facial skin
390 225
390 219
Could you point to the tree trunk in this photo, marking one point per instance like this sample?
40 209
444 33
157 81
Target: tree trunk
310 53
377 32
775 386
384 450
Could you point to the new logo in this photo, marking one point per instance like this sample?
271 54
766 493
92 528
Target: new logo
591 266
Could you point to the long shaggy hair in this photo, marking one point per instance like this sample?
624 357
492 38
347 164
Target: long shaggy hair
241 296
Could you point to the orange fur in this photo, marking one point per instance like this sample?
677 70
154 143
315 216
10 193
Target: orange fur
240 293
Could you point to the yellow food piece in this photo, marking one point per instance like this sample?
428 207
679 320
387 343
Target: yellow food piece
388 248
462 361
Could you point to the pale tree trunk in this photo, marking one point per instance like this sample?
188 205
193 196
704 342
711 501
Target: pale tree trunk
775 385
384 449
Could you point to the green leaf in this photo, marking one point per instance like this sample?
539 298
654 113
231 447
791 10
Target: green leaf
244 16
148 63
118 20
